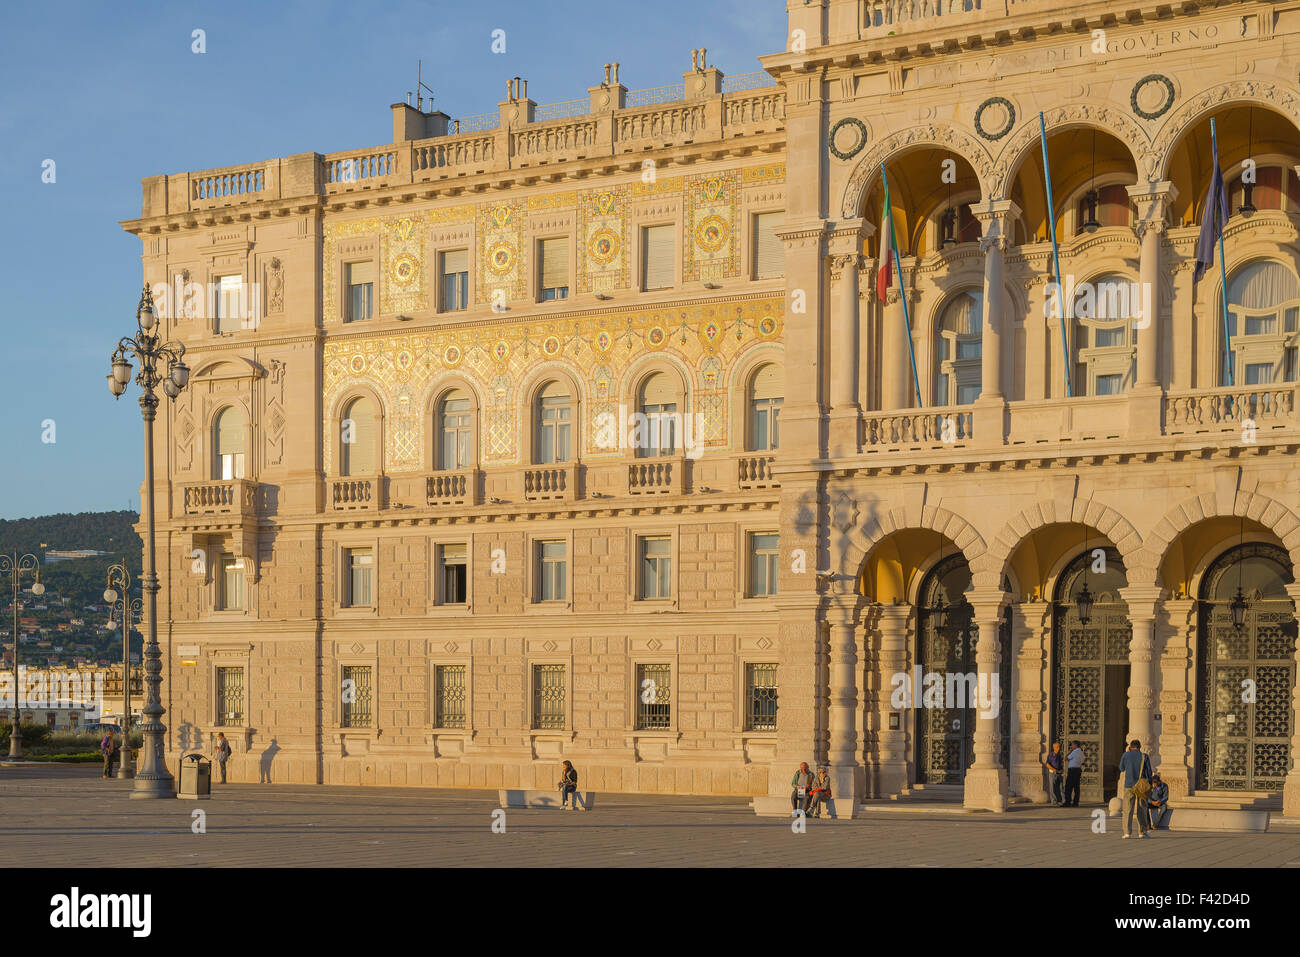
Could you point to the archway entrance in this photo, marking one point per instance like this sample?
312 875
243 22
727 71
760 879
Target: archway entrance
946 642
1090 674
1245 672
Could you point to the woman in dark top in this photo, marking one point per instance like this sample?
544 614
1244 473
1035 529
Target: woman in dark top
569 785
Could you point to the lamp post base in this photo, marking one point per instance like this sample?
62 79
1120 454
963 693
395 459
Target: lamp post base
15 747
125 771
154 786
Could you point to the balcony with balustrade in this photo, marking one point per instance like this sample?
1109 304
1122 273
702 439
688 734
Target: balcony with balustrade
232 500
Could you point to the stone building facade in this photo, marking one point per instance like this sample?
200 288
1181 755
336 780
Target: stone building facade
585 431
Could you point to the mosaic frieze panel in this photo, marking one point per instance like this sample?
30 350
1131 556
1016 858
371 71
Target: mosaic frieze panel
401 266
602 240
705 341
711 221
503 258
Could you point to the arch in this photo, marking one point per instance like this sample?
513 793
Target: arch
532 392
1185 117
634 379
1102 518
231 442
434 395
862 540
949 138
342 401
1256 506
740 387
1025 141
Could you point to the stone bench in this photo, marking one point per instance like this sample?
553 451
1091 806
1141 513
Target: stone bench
514 798
1215 819
836 808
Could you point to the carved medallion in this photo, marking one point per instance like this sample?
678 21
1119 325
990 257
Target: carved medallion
851 143
995 118
1152 97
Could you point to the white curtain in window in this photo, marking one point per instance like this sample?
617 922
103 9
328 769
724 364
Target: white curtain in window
964 314
1262 285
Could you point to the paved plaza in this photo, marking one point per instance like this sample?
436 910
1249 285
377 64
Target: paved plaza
68 816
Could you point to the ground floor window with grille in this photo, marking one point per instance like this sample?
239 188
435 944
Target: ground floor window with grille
548 697
450 681
760 697
230 697
355 695
654 698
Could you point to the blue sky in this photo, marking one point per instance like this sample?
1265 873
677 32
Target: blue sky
112 93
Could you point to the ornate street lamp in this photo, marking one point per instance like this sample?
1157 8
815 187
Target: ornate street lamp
1090 225
1238 610
152 779
16 565
1247 189
131 609
1083 601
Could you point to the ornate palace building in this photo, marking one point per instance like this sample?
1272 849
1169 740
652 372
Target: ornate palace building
585 430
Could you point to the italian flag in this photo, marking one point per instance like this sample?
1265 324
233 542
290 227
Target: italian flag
885 278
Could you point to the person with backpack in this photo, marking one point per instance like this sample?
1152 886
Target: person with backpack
108 747
221 753
568 785
1134 788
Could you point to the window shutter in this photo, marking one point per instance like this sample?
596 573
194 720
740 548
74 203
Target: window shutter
359 454
230 433
555 263
658 390
769 382
360 273
769 251
657 249
456 261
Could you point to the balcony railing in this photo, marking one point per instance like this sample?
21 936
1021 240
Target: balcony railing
1229 409
452 488
936 428
657 476
235 497
356 494
545 483
755 471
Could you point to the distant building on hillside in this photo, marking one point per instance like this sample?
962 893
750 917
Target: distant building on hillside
66 555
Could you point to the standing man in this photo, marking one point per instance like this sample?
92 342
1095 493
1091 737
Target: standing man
802 784
1134 767
108 747
1053 765
222 753
1073 771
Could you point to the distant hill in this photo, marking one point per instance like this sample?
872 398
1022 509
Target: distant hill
104 531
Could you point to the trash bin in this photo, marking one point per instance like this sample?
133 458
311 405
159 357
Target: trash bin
196 777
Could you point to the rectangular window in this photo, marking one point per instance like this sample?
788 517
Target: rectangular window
969 349
657 259
760 697
1260 325
769 251
230 584
1110 384
356 697
553 442
553 269
230 697
656 568
763 567
453 562
552 571
228 307
1258 373
966 394
450 696
455 280
548 697
361 286
359 564
1109 337
1290 357
654 697
1291 316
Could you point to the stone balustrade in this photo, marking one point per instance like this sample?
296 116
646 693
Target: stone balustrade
656 476
545 483
234 497
917 429
1228 410
355 494
452 488
755 471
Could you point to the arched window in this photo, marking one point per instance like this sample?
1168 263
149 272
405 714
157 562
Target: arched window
229 445
1105 348
766 396
554 423
1263 307
958 350
358 438
1275 188
455 431
658 429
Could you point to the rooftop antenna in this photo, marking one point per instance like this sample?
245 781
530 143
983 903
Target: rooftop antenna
421 86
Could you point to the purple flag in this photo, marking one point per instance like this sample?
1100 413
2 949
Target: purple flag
1213 219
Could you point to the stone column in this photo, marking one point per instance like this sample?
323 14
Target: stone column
1031 631
1143 605
1153 201
1177 684
845 244
842 701
890 759
989 413
896 390
986 779
1291 789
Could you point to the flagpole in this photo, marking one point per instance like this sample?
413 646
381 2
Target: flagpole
1056 255
1223 265
898 264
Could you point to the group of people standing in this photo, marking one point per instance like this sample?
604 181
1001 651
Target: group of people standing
1141 792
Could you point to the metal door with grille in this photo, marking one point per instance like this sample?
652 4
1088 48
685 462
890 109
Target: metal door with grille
1090 676
945 745
1246 674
